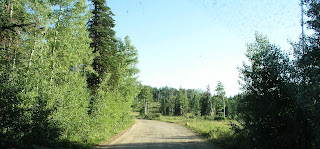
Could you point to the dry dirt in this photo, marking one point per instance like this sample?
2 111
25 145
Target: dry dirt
151 134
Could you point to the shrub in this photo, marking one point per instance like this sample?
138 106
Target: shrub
151 116
157 115
219 132
141 112
208 118
219 118
192 116
148 116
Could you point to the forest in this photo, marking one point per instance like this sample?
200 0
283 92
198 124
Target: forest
67 81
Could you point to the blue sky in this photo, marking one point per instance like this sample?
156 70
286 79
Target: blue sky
193 43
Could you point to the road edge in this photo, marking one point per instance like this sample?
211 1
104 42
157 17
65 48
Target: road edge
115 137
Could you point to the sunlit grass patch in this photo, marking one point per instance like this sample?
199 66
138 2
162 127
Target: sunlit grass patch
217 131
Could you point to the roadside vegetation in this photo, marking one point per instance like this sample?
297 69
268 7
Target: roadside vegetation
66 81
216 131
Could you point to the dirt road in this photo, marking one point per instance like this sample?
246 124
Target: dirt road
146 134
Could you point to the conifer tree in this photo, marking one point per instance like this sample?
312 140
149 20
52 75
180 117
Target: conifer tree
196 104
103 44
221 94
181 103
206 102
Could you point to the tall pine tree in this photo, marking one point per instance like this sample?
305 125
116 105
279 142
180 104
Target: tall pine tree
103 43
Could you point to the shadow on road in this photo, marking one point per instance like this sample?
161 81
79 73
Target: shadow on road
176 145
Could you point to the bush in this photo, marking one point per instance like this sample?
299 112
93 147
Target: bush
220 113
141 112
148 116
151 116
192 116
219 118
157 115
208 118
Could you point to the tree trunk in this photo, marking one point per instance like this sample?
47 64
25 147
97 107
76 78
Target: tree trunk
14 58
224 107
9 54
211 109
10 9
31 53
214 110
30 59
54 45
145 108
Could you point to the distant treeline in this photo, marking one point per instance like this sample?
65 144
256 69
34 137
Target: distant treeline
183 101
66 81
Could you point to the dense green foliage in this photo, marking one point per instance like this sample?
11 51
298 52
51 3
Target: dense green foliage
307 78
268 107
103 44
47 59
280 105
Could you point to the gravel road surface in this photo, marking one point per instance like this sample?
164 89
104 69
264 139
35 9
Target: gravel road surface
145 134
